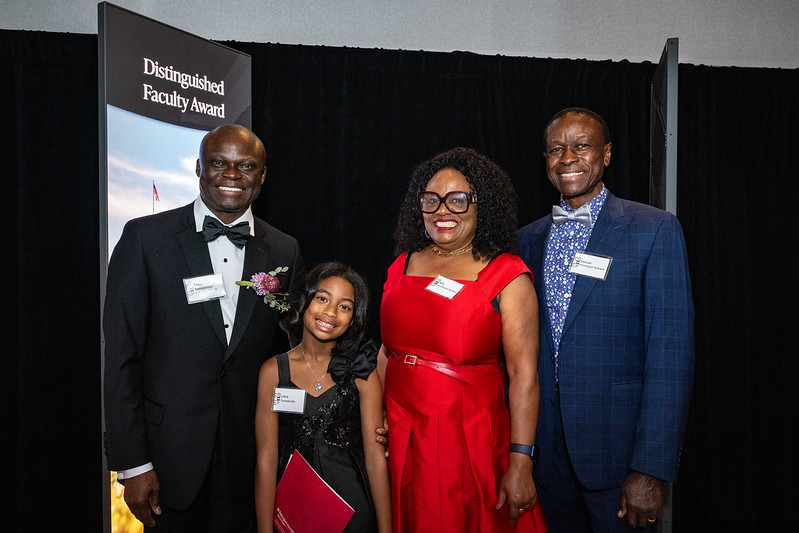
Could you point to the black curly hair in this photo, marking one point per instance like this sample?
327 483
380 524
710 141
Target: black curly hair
302 298
496 207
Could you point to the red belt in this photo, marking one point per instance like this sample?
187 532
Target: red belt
454 371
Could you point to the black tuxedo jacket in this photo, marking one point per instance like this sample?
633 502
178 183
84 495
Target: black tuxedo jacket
172 383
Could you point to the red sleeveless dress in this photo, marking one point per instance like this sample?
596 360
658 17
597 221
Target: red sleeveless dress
449 434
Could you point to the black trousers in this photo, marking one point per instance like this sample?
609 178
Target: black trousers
212 511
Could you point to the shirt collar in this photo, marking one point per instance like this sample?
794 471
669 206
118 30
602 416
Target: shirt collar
201 210
594 204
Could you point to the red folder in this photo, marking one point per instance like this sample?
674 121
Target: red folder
305 503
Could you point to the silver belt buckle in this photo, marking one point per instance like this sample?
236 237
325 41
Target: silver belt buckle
409 360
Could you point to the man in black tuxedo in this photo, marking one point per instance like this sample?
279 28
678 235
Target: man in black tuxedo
181 362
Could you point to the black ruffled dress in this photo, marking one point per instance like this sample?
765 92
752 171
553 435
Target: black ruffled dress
328 434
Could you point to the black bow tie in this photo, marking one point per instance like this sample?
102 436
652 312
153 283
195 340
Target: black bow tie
237 234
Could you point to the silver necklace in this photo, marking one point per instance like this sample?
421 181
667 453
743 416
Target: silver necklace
318 381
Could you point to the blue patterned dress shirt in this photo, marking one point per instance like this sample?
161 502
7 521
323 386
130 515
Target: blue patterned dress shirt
563 243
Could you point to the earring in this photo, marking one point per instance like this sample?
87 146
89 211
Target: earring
426 236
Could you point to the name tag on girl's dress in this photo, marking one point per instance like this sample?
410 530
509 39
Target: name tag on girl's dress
286 400
445 287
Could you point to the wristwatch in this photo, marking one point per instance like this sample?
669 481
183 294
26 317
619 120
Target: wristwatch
525 449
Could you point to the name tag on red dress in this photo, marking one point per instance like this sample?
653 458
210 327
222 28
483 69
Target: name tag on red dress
445 287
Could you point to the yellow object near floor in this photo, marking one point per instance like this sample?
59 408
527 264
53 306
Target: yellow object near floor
122 520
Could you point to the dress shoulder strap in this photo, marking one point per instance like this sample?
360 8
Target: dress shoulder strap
499 272
396 270
283 369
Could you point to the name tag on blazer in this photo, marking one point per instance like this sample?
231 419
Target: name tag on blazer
593 266
204 288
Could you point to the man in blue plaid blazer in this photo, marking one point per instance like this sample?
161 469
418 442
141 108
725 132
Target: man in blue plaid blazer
616 339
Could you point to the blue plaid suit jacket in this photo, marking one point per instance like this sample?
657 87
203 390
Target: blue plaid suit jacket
626 358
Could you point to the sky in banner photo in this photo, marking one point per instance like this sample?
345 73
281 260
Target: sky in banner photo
145 155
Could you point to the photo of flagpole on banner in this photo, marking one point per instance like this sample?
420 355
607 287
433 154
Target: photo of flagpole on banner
155 196
141 152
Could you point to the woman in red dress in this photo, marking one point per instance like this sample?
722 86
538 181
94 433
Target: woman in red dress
456 303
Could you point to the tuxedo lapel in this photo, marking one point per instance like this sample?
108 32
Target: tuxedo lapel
608 231
195 251
256 258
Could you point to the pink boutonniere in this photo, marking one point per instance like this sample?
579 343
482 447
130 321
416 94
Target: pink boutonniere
267 285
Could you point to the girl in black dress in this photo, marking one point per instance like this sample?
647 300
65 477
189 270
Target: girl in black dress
343 402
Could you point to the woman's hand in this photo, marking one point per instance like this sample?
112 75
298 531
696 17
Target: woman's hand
518 307
517 488
381 435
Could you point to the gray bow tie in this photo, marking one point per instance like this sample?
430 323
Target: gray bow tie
582 215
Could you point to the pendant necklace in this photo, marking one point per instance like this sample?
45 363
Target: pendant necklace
438 251
318 385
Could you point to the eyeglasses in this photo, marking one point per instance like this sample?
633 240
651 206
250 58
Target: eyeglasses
456 201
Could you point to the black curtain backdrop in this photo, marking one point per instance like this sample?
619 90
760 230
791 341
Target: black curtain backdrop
343 128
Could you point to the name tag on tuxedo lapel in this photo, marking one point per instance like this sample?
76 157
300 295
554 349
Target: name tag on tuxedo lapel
445 287
204 288
287 400
593 266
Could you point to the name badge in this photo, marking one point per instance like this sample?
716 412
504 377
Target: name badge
445 287
593 266
287 400
204 288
